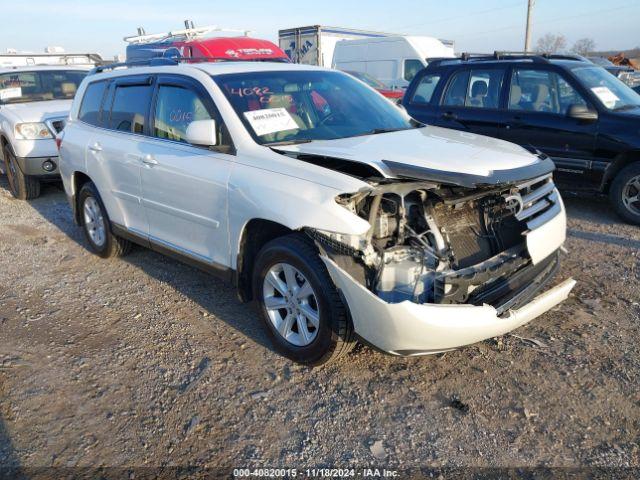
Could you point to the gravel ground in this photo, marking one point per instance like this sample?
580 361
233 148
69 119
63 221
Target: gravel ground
144 361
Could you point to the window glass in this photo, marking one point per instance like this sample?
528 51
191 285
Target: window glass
484 88
611 92
425 89
567 95
36 86
457 90
91 102
176 108
130 106
299 106
411 67
541 91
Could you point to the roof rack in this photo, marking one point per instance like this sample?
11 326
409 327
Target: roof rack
190 32
166 61
56 59
503 55
152 62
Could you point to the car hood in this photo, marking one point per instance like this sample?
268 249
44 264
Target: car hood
38 111
429 152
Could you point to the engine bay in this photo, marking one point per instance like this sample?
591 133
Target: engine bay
434 243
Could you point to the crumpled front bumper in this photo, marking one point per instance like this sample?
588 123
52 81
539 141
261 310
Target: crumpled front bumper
408 328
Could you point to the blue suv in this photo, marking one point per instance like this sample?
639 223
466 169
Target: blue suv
576 112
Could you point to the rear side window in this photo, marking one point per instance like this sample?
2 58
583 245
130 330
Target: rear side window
425 89
130 107
91 103
457 90
484 88
478 88
411 68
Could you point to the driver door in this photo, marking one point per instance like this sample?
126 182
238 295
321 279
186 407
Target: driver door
184 187
538 102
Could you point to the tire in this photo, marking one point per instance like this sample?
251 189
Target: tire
333 337
21 186
95 220
626 185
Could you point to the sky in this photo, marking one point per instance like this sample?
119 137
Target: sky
474 25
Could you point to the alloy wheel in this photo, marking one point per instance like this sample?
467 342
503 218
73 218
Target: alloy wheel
291 304
631 195
94 221
11 172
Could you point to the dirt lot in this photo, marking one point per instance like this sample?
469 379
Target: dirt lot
145 361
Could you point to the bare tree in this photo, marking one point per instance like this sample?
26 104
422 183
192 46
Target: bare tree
551 43
584 46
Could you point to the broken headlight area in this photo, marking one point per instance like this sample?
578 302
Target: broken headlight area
430 243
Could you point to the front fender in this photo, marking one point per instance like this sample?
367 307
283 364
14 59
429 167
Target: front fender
286 200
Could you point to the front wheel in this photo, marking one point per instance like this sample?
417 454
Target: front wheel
22 187
96 225
299 303
625 193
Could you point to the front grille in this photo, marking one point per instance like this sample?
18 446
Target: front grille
56 124
487 246
540 201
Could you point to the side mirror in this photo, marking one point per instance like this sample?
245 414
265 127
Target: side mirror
580 112
202 133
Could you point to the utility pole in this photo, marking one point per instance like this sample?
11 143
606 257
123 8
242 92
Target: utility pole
527 37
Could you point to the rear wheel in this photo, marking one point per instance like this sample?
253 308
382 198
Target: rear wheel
96 225
625 193
299 303
21 186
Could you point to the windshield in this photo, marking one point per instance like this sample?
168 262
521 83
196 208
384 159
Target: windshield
301 106
368 79
611 92
36 86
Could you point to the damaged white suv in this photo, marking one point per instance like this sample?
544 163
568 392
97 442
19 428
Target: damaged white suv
340 216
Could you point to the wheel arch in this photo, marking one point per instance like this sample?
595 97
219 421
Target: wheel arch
256 233
78 179
616 166
3 142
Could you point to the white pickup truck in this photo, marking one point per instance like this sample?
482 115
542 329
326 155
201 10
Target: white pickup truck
34 103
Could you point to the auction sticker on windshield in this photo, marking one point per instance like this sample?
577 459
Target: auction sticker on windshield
270 120
606 96
7 93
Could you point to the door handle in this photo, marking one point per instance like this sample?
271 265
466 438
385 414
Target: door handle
449 116
96 147
149 160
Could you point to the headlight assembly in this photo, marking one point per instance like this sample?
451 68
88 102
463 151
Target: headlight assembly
32 131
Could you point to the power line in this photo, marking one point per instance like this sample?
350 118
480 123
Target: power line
457 17
514 27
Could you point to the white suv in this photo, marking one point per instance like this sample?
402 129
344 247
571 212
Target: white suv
322 201
34 104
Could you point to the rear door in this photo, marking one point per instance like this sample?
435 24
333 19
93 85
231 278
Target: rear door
538 101
113 153
471 100
184 187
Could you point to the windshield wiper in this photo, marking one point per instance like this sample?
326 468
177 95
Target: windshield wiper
287 142
625 107
377 131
